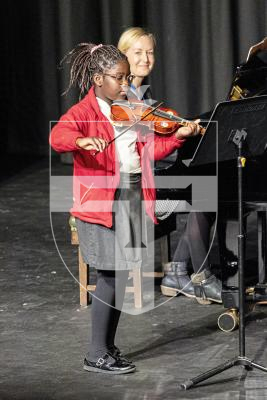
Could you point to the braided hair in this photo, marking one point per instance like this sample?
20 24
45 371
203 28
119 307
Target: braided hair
88 59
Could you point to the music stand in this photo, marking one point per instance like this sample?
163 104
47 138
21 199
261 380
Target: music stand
242 133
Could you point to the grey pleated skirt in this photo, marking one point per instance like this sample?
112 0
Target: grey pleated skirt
119 247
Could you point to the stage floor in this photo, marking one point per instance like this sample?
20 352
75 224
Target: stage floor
44 332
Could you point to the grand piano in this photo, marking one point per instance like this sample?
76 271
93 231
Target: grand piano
250 80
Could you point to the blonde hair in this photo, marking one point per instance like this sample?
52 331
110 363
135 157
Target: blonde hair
131 35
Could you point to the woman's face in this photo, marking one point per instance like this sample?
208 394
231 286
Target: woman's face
141 57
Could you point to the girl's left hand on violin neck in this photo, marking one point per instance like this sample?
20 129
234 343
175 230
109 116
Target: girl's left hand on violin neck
191 129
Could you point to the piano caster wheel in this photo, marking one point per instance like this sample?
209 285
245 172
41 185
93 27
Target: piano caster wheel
229 320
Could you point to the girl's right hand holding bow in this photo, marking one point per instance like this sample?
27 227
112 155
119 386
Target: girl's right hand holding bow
92 143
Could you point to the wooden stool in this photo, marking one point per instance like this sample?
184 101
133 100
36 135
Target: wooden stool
136 274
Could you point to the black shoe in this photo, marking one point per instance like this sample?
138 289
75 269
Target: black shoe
207 287
108 365
177 281
115 351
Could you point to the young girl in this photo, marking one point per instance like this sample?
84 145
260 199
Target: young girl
108 176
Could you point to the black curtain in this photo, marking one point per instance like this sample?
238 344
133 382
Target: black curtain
199 45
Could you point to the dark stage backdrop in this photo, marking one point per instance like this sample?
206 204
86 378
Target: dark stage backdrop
199 45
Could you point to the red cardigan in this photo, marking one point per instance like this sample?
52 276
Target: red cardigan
95 178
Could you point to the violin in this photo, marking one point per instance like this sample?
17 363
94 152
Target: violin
166 120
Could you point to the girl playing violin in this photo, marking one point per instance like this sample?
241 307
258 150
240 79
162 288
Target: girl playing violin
108 176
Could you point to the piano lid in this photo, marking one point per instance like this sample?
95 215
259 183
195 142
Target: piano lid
258 47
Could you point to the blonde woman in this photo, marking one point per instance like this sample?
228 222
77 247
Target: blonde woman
139 45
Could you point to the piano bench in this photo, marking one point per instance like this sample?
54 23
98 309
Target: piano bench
137 274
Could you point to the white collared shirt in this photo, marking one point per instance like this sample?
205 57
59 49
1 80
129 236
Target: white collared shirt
125 145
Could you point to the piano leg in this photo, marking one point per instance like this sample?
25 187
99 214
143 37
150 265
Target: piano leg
262 262
229 319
